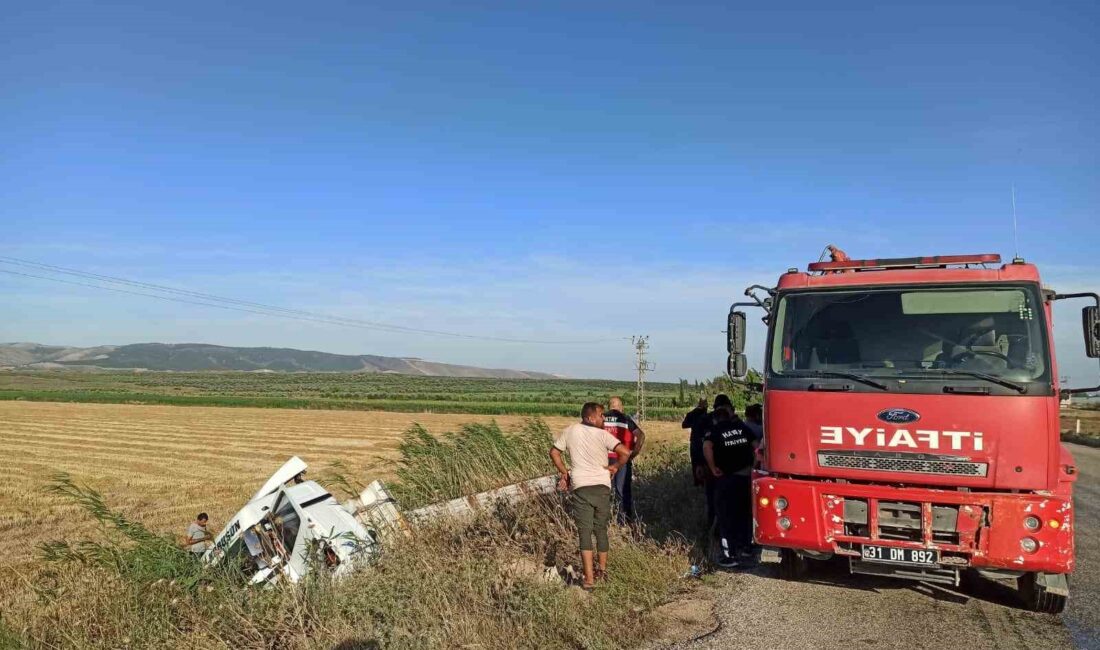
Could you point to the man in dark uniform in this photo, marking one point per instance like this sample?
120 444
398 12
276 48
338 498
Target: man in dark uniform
696 420
728 449
754 418
627 431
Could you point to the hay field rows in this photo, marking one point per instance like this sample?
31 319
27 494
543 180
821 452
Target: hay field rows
162 464
1087 419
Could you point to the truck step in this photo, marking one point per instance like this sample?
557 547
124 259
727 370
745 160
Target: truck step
937 575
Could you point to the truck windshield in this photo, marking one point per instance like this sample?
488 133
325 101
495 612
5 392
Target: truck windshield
912 332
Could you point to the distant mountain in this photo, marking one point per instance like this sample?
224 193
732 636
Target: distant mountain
197 357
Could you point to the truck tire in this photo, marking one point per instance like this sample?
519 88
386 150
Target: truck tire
1038 597
792 566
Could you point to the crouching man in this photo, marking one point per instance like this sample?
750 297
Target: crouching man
588 444
199 539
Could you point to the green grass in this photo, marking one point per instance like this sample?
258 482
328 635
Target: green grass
476 458
534 397
1081 439
474 584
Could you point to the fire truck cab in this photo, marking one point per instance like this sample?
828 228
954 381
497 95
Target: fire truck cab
911 418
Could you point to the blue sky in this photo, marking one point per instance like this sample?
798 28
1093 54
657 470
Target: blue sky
556 171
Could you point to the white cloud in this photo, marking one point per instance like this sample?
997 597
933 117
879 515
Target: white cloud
551 295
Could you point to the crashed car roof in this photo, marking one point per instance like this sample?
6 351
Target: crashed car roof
307 493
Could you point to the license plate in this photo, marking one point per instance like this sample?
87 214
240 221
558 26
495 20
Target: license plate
894 555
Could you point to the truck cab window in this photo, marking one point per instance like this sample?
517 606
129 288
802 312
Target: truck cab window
997 331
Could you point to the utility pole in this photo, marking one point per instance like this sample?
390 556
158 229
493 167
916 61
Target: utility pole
641 344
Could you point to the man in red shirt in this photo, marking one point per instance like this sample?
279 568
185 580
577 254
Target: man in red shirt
627 431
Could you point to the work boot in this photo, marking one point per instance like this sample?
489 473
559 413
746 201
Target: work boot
727 562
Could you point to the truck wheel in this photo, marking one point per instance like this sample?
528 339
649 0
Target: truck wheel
792 566
1039 594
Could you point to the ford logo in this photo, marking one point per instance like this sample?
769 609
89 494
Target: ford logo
898 416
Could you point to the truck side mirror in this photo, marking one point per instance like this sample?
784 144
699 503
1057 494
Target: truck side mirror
735 333
737 366
1090 317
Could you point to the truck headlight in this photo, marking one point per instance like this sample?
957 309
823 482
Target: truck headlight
784 523
781 503
1031 522
1029 544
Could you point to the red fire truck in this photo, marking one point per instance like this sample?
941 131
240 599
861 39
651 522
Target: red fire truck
912 421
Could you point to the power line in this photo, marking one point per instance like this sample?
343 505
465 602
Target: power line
199 298
197 294
168 298
302 315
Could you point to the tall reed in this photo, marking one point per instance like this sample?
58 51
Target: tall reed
479 583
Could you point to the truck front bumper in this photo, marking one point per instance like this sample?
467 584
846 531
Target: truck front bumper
968 529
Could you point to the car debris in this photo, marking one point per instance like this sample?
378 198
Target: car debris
292 526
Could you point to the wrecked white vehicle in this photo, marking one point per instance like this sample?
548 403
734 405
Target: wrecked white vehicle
292 526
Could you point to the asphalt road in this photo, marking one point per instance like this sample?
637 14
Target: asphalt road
835 610
1083 617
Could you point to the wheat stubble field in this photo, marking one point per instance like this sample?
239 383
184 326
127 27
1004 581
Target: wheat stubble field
163 464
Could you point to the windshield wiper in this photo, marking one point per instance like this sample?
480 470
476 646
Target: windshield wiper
839 375
1019 388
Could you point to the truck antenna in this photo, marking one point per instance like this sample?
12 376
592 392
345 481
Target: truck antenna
1015 228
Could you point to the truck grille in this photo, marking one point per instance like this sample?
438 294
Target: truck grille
901 520
886 461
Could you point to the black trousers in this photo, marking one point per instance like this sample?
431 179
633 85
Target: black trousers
733 505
